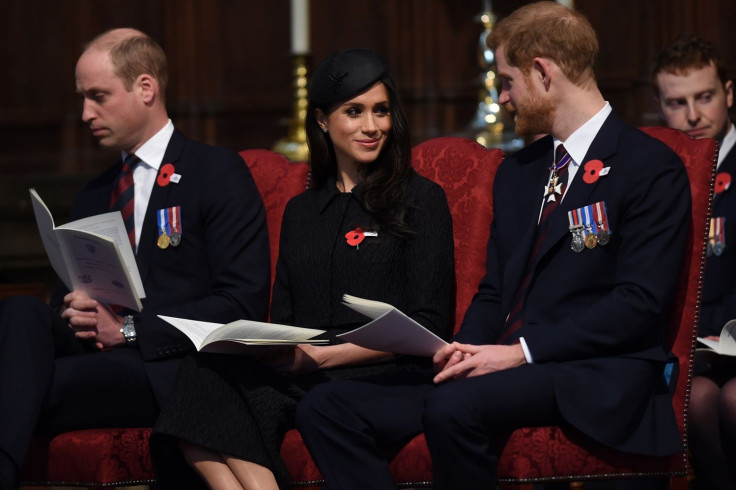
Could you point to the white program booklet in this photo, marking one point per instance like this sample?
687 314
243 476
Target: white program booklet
242 335
726 345
92 255
390 330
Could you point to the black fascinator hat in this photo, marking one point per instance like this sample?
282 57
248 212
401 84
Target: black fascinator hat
343 75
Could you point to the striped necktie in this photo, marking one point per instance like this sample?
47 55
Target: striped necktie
122 198
553 195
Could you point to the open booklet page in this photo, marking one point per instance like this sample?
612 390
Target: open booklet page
92 255
726 345
390 330
216 337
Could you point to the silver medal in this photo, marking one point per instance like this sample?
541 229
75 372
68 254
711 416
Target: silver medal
578 241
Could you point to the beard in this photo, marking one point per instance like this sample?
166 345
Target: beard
535 115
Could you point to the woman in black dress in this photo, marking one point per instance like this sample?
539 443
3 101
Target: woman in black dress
370 227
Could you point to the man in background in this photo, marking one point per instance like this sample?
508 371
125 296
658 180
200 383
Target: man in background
694 94
197 225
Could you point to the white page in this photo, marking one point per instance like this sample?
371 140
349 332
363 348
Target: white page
45 223
196 330
727 343
368 307
111 225
96 268
203 334
246 329
393 332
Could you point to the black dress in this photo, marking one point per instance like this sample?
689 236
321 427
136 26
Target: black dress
237 406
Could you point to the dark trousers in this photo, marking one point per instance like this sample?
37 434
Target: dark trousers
353 428
52 383
467 422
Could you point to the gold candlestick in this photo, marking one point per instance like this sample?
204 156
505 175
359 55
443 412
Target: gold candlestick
487 124
294 145
487 121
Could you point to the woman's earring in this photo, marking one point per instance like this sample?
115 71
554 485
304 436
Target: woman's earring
324 130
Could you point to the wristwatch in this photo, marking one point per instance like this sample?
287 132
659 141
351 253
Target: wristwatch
128 330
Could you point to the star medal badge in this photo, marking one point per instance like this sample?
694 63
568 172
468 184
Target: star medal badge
601 217
554 186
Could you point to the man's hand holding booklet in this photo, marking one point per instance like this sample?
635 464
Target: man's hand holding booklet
92 255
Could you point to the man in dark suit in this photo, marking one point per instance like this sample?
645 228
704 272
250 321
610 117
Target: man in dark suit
198 226
694 94
568 324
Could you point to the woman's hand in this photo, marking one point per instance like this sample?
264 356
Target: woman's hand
302 358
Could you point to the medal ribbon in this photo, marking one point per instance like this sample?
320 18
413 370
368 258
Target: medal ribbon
175 224
163 222
601 216
574 218
588 220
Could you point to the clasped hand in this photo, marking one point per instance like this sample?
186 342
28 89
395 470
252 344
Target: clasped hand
458 360
92 321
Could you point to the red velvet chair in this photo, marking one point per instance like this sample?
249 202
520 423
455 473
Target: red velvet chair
465 170
554 454
278 180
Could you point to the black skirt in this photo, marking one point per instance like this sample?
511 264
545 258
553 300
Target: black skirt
237 406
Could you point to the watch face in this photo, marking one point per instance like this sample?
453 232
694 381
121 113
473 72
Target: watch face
128 329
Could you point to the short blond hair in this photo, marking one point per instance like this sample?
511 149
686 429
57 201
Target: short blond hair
132 54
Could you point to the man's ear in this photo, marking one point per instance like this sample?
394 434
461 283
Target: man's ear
658 103
728 87
541 69
147 87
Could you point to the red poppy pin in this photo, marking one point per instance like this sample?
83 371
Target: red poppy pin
723 182
593 170
164 175
355 237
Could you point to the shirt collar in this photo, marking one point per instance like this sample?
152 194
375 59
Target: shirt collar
329 191
728 141
152 151
578 143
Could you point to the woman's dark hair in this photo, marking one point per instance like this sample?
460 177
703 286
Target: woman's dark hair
384 181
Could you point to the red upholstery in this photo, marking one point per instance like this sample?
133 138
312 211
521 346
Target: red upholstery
90 458
465 170
278 180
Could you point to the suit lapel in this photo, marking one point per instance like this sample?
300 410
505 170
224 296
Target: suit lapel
157 201
537 173
602 148
728 166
